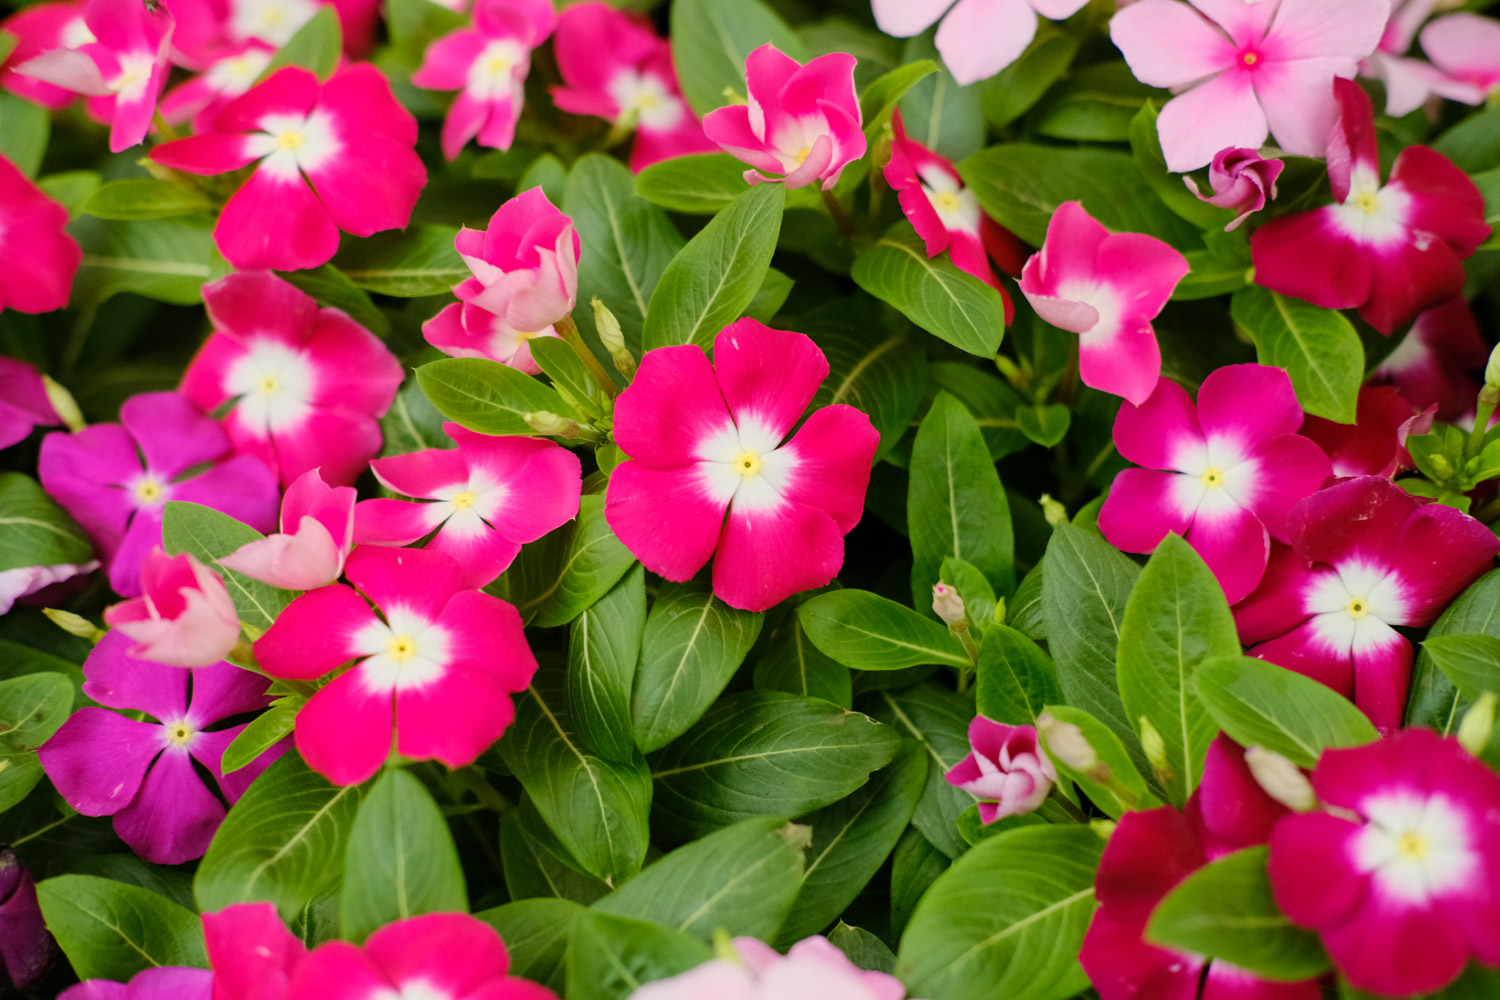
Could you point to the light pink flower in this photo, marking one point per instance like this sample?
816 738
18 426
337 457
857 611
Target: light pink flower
1410 83
1466 47
23 401
978 38
39 28
317 534
37 257
23 581
1436 362
802 122
812 970
164 982
229 75
1106 287
706 441
184 617
464 330
1392 251
1244 70
252 953
1006 769
1241 181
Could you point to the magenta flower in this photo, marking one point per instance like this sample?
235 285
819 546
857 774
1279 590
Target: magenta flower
349 138
164 982
1375 444
115 478
1365 556
1400 881
1106 287
143 773
802 122
1222 473
1243 70
26 946
252 953
40 28
434 675
229 75
812 970
1006 769
184 619
1241 181
1392 251
978 38
37 257
707 440
306 386
1435 362
1466 48
317 534
23 402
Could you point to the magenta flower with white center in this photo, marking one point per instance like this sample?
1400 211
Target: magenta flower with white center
1435 363
711 476
1242 71
185 617
252 953
1466 47
1222 472
1106 287
201 98
812 970
485 499
23 402
317 535
1375 444
1241 181
39 28
306 386
142 773
978 38
348 138
1398 877
38 259
1365 556
433 673
1006 769
115 478
802 123
163 982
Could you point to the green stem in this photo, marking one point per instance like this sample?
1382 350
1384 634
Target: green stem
165 131
1488 398
569 331
487 793
840 217
41 830
1073 811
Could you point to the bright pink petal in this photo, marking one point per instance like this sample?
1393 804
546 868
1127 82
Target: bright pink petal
275 223
174 816
1143 271
833 451
1158 431
1382 677
171 432
1438 553
767 376
241 487
118 680
338 969
1307 256
359 97
345 732
290 91
979 38
1303 650
673 405
337 442
1235 810
1395 949
767 555
428 473
315 634
667 518
546 475
1128 366
453 719
1234 544
1141 509
371 185
98 759
1290 467
251 951
395 522
482 554
1314 882
252 305
1071 247
414 579
452 951
485 633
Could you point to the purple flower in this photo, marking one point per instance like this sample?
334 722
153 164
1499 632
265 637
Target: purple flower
23 401
26 948
167 982
1242 180
1006 769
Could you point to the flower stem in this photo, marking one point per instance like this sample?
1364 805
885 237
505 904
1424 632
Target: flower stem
1068 807
840 217
569 331
488 794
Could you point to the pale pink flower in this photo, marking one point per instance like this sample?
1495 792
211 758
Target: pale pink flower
1410 82
978 38
184 617
812 970
1466 47
38 259
1006 769
39 28
317 535
1241 180
23 581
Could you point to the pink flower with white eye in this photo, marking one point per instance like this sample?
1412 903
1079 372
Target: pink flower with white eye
349 138
1411 83
978 38
1222 473
38 259
1243 71
184 617
23 402
200 99
252 953
803 122
1436 362
525 265
488 64
706 441
317 534
1106 287
464 330
1391 251
432 676
1241 181
1365 556
1400 882
39 28
307 386
1466 47
1375 444
1006 769
812 970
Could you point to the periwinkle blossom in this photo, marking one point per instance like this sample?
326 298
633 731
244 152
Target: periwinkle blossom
39 28
812 968
23 402
1375 444
27 950
1466 48
38 259
978 38
1411 82
184 618
317 535
162 982
31 581
1241 181
710 475
1006 769
200 99
206 29
1434 365
251 952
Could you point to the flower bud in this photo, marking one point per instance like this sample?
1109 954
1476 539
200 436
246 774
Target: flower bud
1005 769
1066 743
948 606
1492 370
26 948
547 422
74 624
64 404
1055 513
1103 828
1156 750
613 338
1281 779
1441 467
1479 722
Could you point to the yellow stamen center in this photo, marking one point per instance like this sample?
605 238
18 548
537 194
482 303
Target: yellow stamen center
148 490
1412 846
240 66
1368 202
181 733
1358 607
289 140
1250 58
273 15
522 336
1213 478
803 154
747 463
947 201
647 101
497 66
269 384
402 648
464 500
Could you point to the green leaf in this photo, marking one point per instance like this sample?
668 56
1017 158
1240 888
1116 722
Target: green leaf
977 594
34 531
417 261
414 24
412 423
1318 347
548 173
570 376
110 930
24 130
164 259
794 665
488 397
1113 755
864 949
710 40
533 869
209 536
1011 92
699 184
992 403
915 865
32 708
146 198
864 631
1474 143
332 288
1471 662
770 297
604 646
1434 700
70 188
937 112
878 102
591 560
1096 103
1044 425
608 958
1016 680
939 719
317 46
535 932
274 724
1210 276
1146 146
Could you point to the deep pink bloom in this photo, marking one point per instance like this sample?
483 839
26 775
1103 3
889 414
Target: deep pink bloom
115 478
434 676
1006 769
1436 362
464 330
1410 83
229 75
1365 555
1466 47
307 386
1106 287
185 617
1400 883
487 64
317 534
39 28
209 29
252 953
1241 181
1392 251
23 402
1375 444
164 982
37 257
142 773
978 38
1222 473
349 138
1243 70
26 946
705 440
812 970
802 122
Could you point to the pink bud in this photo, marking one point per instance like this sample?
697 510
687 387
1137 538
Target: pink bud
1007 769
948 606
184 619
525 265
1241 180
317 533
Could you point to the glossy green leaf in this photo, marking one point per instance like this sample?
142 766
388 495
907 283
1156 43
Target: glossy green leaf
1096 103
568 372
536 933
146 198
1435 701
878 101
1112 754
1318 347
209 536
770 297
609 957
35 531
915 865
1146 146
794 665
274 724
864 631
1010 93
931 291
864 949
1016 680
420 260
1471 662
25 128
992 403
332 288
710 40
975 590
699 184
604 646
533 869
412 423
32 708
939 719
110 930
590 561
937 112
1044 425
488 397
164 259
317 46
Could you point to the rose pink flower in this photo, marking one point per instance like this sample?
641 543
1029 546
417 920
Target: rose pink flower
1400 881
229 75
1006 769
1222 473
1391 251
252 953
1375 444
1243 70
185 617
306 386
26 946
802 122
164 982
1106 287
978 38
812 970
1410 83
707 440
349 138
1241 181
464 330
1466 47
210 29
317 534
1435 363
23 402
40 28
37 257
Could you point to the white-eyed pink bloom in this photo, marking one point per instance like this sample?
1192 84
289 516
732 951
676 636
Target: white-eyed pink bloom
1436 362
484 499
1244 70
143 772
1006 769
1365 556
37 257
487 64
1398 877
464 330
200 99
812 970
1375 444
39 28
1241 181
1222 472
711 476
163 982
306 386
23 402
1107 288
252 953
802 123
978 38
184 616
317 534
1392 250
433 674
348 138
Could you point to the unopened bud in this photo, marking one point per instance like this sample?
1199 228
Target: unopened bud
63 403
1103 828
1489 398
1010 370
74 624
1156 750
733 96
1281 779
613 338
1479 722
1492 370
1066 744
1055 513
1000 611
948 606
546 422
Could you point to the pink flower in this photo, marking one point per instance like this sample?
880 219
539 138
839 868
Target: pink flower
487 64
184 619
27 950
306 386
252 953
229 75
24 581
525 265
1106 287
1466 47
802 122
1222 473
349 139
37 257
1375 444
163 982
706 440
978 38
488 497
39 28
312 553
1243 70
23 402
1241 181
1392 251
1400 882
1434 364
1365 556
464 330
1006 769
812 970
1410 83
435 673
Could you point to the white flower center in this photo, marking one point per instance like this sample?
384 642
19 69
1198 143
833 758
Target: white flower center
956 206
1416 847
1373 214
270 21
148 491
1218 478
235 75
405 651
179 733
135 74
1354 605
290 144
413 989
656 109
746 466
499 72
275 384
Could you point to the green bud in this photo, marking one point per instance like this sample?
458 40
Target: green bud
1478 723
1103 828
1492 370
613 338
1000 611
1156 750
1441 467
546 422
1010 370
1055 513
74 624
63 402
